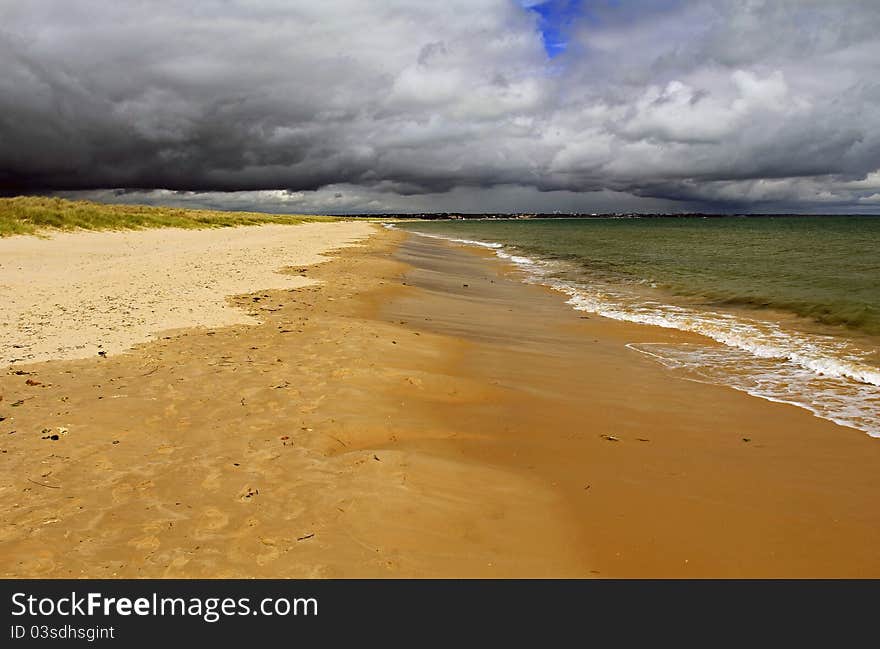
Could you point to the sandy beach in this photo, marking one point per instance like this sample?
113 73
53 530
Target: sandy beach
403 408
78 293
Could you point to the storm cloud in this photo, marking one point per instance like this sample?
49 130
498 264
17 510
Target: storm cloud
470 105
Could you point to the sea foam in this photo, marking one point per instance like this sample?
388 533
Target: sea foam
824 374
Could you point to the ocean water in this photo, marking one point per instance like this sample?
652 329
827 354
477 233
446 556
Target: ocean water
790 306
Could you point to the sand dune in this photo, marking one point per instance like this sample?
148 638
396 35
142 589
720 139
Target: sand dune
78 294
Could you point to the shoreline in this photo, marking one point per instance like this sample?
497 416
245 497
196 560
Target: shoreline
770 354
397 420
727 484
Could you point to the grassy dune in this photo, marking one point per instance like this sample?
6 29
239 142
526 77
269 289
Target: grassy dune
37 214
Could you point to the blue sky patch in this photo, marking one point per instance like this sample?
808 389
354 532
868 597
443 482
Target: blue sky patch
556 17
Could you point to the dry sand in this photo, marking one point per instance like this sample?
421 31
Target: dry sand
419 413
76 294
261 451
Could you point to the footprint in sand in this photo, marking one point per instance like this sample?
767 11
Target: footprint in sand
311 407
264 455
103 463
248 494
121 492
271 554
150 543
211 481
173 569
213 520
155 527
268 557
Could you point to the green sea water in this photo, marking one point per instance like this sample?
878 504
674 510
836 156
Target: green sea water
791 304
823 267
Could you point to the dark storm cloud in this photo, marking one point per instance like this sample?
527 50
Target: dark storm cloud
389 105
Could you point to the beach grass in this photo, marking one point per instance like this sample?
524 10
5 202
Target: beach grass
40 214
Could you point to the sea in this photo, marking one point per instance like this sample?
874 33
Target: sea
789 305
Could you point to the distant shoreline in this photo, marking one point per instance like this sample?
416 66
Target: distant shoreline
489 216
33 213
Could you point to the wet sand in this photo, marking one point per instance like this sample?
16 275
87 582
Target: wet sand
679 492
420 412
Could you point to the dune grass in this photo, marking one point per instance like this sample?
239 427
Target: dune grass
40 214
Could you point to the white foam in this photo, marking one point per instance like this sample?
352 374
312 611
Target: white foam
824 374
468 242
822 355
838 400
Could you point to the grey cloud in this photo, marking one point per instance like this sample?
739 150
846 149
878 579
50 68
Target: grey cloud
420 105
355 199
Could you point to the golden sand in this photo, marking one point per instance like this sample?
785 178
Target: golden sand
420 412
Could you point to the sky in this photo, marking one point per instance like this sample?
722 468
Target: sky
352 106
